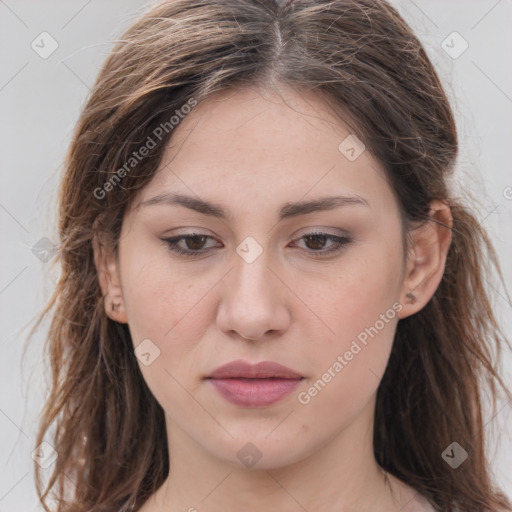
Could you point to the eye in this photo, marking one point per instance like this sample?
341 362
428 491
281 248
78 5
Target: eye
189 245
194 244
315 243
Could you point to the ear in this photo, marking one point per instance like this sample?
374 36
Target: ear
426 259
107 268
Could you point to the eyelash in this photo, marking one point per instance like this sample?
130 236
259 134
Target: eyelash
339 244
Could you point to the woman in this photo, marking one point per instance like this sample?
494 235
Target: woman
269 298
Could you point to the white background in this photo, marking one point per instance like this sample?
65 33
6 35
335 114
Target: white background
40 100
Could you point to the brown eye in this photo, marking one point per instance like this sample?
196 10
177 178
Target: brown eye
315 242
195 242
188 245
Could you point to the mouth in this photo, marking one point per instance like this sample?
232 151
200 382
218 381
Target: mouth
258 385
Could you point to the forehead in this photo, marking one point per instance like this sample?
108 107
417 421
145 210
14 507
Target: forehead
249 120
263 144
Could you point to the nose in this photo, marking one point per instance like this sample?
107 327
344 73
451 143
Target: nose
254 302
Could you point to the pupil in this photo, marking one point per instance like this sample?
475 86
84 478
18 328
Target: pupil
191 241
318 241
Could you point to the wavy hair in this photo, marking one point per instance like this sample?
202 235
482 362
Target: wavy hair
363 59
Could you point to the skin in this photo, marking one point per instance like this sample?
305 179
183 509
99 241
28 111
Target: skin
252 152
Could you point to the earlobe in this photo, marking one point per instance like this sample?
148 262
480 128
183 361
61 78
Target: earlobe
411 298
108 277
425 265
114 307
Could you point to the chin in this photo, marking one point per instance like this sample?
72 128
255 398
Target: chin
259 452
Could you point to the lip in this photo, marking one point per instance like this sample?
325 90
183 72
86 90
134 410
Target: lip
263 370
254 385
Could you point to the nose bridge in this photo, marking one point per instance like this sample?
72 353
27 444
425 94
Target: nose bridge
251 261
252 302
251 275
251 279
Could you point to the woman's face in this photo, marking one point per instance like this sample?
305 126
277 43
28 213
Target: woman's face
324 306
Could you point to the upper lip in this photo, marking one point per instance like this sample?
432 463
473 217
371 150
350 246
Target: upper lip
263 370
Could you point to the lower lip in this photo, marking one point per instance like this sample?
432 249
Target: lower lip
254 392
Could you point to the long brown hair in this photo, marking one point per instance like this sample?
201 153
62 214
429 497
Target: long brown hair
363 59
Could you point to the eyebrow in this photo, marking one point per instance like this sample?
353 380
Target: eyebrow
288 210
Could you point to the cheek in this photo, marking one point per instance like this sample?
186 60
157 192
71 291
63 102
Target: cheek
165 304
360 309
354 296
169 308
347 368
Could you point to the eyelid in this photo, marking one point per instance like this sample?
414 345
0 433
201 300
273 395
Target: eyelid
321 231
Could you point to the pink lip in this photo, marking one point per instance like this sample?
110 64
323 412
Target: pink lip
258 385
